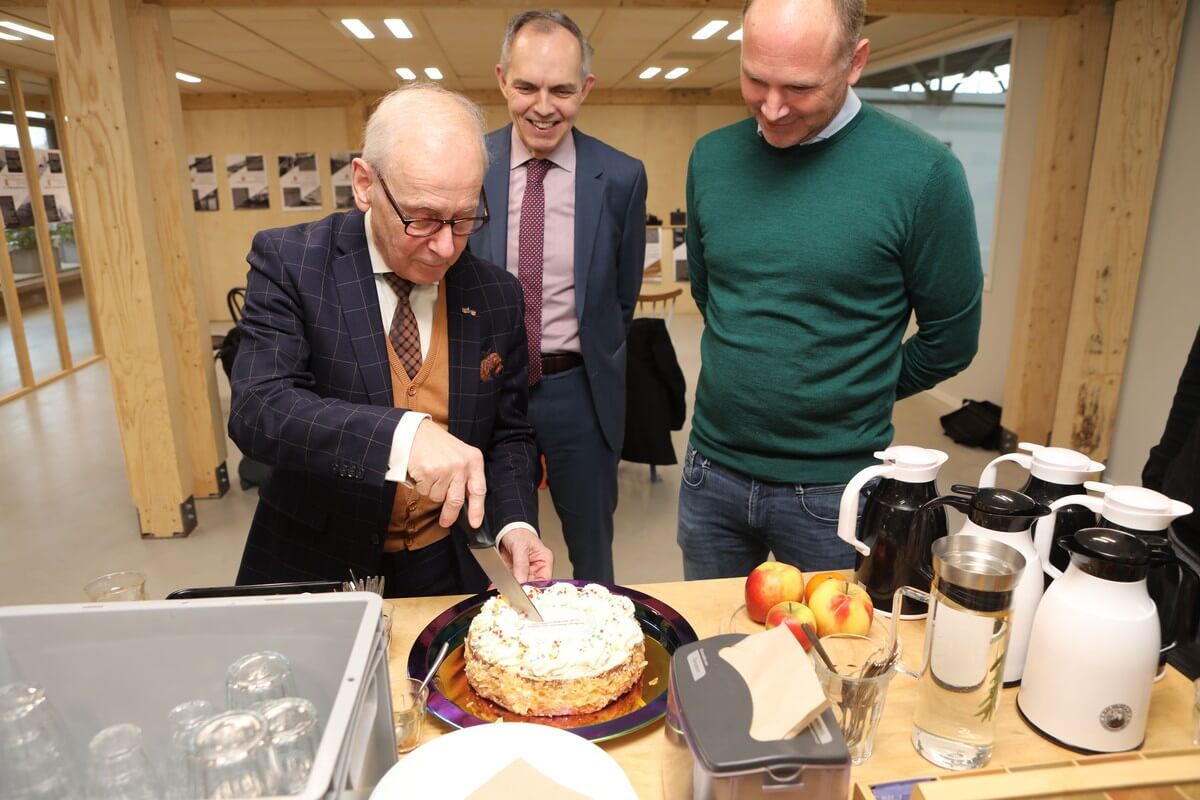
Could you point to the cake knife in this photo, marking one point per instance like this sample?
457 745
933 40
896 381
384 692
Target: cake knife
482 544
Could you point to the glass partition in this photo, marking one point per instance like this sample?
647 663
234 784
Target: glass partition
10 372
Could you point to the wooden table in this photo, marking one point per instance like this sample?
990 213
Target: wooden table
706 603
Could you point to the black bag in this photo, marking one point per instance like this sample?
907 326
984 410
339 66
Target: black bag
976 424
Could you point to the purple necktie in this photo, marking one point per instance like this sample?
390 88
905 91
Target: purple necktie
529 260
404 335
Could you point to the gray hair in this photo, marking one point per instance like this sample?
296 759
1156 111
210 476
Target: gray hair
389 117
545 21
851 16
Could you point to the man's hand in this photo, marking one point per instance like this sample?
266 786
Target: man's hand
526 555
448 471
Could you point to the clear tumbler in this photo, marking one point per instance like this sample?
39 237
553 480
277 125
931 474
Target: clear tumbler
36 761
118 768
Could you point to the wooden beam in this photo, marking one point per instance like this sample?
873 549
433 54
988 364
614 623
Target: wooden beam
210 101
1062 158
12 310
1138 79
178 245
108 142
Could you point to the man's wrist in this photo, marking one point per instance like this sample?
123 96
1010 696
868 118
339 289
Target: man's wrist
402 442
515 526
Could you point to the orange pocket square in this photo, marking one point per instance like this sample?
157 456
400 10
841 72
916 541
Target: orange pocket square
490 367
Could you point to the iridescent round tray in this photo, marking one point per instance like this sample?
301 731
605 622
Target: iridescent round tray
452 699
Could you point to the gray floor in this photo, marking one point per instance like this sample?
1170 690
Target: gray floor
66 514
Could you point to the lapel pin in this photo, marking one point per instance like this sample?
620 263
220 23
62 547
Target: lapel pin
469 310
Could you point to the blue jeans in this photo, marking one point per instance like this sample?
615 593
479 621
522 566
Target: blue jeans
728 522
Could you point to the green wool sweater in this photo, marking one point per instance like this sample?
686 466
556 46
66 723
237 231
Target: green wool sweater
806 263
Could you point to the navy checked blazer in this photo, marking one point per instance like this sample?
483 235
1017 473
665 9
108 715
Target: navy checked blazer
312 397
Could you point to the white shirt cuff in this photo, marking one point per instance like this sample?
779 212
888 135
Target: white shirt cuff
402 442
510 527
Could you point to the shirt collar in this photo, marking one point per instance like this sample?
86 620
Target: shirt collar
562 156
378 266
849 108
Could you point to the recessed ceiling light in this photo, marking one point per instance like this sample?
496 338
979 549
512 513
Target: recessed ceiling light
8 37
406 73
678 72
398 28
649 72
183 76
433 73
736 36
710 28
19 28
36 114
358 28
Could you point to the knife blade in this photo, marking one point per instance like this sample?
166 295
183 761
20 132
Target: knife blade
482 545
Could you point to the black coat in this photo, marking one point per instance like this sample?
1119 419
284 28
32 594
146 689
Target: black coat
655 389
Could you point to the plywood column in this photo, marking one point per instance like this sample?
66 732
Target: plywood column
1138 78
97 71
154 60
1062 160
356 119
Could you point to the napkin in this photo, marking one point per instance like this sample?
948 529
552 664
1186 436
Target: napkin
785 693
521 780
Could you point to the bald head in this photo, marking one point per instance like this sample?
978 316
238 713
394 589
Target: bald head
846 16
424 121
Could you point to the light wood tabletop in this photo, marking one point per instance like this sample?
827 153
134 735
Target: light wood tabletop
709 604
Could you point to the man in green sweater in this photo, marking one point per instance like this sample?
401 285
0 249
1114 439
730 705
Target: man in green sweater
816 229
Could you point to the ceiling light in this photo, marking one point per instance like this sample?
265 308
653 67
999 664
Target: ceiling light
398 28
710 28
183 76
736 36
8 37
358 28
406 73
433 73
36 114
15 26
649 72
678 72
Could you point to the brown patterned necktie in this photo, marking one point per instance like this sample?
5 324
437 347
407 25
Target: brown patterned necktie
404 335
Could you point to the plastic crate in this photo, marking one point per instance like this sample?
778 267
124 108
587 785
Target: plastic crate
102 664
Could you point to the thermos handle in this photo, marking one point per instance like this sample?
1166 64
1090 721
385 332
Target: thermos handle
987 479
924 564
897 604
1043 529
848 510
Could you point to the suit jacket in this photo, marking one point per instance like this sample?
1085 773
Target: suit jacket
655 394
610 250
312 397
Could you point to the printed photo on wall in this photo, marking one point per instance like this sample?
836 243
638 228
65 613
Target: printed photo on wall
53 180
247 174
652 266
203 176
299 181
15 206
342 177
679 252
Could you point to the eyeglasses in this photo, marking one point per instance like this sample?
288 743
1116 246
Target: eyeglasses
421 227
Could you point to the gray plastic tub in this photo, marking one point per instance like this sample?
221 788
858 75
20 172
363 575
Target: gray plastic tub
106 663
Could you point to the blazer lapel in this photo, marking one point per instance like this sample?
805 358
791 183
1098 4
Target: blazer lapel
589 199
355 283
463 333
495 184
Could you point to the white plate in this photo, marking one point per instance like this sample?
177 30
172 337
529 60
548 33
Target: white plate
454 765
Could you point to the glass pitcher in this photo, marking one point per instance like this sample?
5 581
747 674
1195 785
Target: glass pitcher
966 640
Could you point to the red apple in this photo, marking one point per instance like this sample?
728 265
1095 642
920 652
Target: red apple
793 615
769 583
842 607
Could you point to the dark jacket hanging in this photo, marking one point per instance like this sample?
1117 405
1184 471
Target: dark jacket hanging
655 389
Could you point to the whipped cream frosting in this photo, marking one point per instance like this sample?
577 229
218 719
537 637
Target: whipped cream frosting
605 634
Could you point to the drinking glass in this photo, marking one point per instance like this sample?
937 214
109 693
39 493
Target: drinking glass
292 722
36 762
182 722
253 678
966 641
408 712
229 753
116 587
857 688
118 768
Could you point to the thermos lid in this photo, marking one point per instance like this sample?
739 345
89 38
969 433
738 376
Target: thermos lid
1002 510
1109 554
913 464
1060 465
1139 508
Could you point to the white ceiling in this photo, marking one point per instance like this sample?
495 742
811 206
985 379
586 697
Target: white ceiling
307 49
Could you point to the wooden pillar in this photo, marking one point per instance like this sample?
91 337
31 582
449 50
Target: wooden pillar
178 242
356 119
12 309
97 70
1138 79
1062 160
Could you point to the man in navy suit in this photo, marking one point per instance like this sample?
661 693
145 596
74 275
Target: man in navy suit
383 372
568 220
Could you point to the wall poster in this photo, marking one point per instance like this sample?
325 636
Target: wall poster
15 206
652 271
299 181
342 177
247 181
203 176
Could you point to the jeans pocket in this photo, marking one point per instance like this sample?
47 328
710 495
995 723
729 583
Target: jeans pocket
823 502
695 468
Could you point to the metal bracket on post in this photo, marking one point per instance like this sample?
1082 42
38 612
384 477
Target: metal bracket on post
222 473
